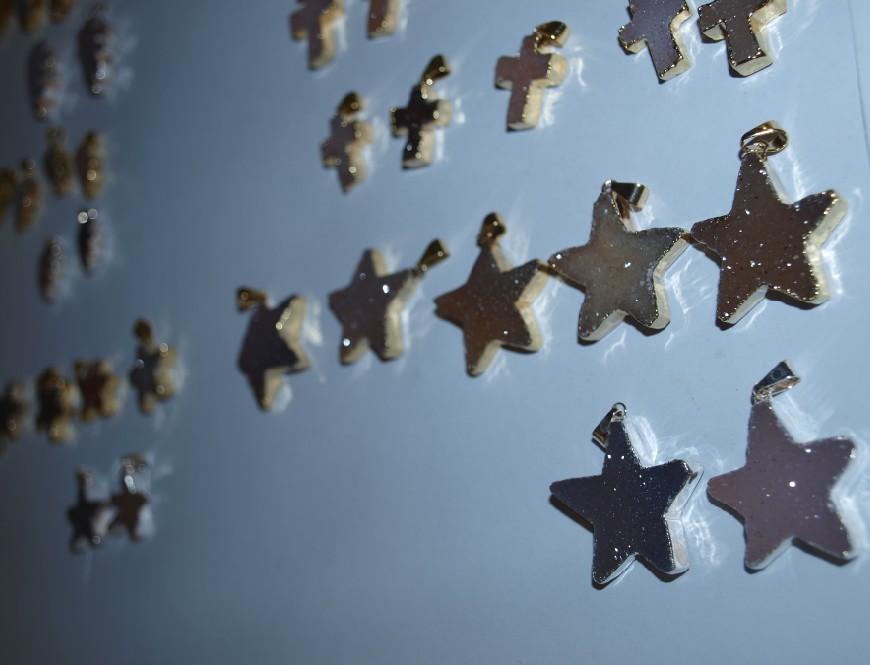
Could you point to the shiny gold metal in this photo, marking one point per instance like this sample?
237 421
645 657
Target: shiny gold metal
95 51
370 307
8 188
57 396
316 21
655 24
494 307
348 136
536 68
741 23
133 499
90 240
29 197
383 17
89 519
764 243
621 268
89 162
51 268
98 388
61 9
153 373
423 114
776 381
765 140
58 163
272 346
7 15
13 410
43 79
33 14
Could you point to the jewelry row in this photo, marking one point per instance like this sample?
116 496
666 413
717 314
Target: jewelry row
762 243
655 24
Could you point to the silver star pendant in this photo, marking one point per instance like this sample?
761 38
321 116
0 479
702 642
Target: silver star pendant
783 492
634 510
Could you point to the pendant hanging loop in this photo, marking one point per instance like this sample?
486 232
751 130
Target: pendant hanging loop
765 140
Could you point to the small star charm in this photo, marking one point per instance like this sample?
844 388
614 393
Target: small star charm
370 307
655 24
154 370
620 269
98 387
783 493
271 348
348 136
634 510
494 307
316 22
423 114
383 16
89 519
765 243
133 499
13 409
740 24
528 75
56 398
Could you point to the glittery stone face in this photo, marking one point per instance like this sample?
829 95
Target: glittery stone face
271 348
740 24
370 307
494 307
316 21
656 24
526 77
620 271
634 510
766 243
783 493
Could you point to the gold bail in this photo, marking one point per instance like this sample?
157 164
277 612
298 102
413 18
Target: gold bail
247 298
435 253
437 68
776 381
628 196
492 228
554 33
352 103
615 415
143 332
766 139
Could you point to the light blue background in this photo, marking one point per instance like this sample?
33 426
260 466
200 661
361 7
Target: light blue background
399 513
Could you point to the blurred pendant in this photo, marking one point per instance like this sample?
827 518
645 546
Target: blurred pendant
764 243
634 510
51 269
424 113
98 389
90 164
655 24
29 197
370 307
132 503
61 9
90 240
741 23
494 307
8 189
272 347
13 409
56 395
784 491
348 136
7 15
58 163
383 17
620 269
95 41
316 21
89 519
153 373
33 14
43 79
528 75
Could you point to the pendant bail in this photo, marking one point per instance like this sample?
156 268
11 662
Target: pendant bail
435 253
628 196
492 228
765 140
248 298
554 33
616 414
776 381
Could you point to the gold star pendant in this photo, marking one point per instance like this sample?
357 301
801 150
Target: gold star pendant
765 243
370 307
494 307
98 387
620 269
153 373
271 348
